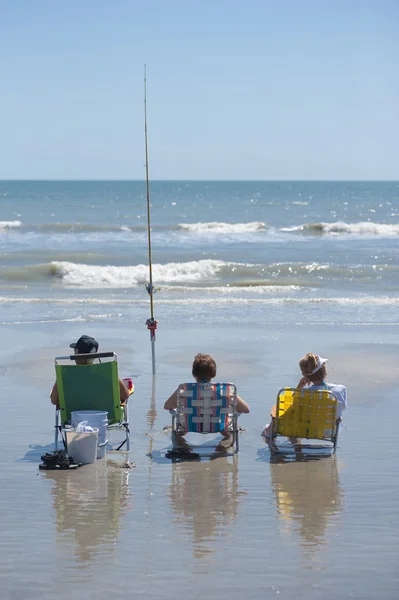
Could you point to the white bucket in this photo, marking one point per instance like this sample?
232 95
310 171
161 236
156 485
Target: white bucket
96 419
102 449
82 446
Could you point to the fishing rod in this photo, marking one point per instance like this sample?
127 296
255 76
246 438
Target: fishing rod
151 322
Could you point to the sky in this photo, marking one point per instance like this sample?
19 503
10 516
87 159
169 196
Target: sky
236 89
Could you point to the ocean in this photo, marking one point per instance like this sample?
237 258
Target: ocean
244 252
256 274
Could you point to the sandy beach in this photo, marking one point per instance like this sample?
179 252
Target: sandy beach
221 528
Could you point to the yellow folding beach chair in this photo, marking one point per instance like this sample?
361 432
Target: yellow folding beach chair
206 408
309 414
90 387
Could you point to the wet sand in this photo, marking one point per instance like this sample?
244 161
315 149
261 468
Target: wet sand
237 526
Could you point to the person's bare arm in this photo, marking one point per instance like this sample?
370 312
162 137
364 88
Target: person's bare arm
54 396
302 382
123 391
241 405
171 402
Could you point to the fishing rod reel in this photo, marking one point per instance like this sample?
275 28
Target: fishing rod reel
150 289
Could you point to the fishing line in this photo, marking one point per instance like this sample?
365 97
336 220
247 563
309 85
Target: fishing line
151 322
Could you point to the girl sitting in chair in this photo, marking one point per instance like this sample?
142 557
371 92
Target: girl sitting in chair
314 373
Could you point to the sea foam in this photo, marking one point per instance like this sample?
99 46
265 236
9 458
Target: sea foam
127 276
215 227
342 228
10 224
100 301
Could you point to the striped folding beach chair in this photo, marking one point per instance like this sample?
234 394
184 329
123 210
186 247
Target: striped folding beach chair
310 414
206 408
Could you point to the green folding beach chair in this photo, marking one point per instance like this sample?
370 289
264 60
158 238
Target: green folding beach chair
90 387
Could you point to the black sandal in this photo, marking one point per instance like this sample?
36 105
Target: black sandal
58 459
182 453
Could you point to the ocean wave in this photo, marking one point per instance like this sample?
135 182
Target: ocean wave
235 288
202 273
225 228
80 274
199 273
10 224
344 301
83 228
342 228
122 276
78 227
338 228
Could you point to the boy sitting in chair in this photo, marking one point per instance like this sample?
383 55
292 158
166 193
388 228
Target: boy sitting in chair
86 345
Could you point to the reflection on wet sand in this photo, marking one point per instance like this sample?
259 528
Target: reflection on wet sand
152 414
205 497
308 497
88 504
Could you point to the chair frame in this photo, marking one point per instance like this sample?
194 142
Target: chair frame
321 395
123 424
182 409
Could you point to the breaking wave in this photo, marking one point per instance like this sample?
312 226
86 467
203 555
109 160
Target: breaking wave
203 273
92 300
122 276
199 228
338 228
10 224
215 227
342 228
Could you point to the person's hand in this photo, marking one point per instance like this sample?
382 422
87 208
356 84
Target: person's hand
302 382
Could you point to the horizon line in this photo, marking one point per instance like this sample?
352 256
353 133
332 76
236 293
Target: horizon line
90 180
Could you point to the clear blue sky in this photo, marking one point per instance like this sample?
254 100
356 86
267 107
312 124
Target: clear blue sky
237 89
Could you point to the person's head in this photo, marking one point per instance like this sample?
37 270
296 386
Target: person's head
313 367
204 367
84 345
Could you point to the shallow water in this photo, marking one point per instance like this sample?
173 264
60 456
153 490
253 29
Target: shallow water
242 525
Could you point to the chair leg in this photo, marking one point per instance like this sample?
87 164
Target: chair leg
173 430
173 438
126 424
336 436
235 432
126 440
271 442
56 430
